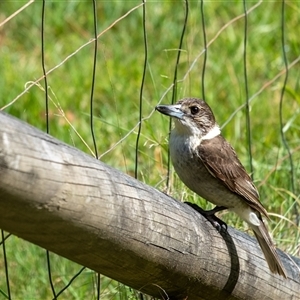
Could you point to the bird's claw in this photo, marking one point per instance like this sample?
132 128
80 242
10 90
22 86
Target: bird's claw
216 222
210 215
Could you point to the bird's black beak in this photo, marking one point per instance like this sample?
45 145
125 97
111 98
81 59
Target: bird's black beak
171 110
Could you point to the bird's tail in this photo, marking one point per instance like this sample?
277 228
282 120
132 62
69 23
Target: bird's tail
268 248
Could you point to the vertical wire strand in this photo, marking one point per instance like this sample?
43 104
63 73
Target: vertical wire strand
47 124
94 78
5 265
141 91
50 274
174 90
98 286
247 107
284 141
43 65
205 50
92 105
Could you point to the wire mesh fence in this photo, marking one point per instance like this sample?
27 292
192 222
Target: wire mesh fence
91 74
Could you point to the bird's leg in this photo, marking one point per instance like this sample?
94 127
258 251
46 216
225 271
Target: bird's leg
215 210
210 215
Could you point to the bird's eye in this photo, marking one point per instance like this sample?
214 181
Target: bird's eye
194 110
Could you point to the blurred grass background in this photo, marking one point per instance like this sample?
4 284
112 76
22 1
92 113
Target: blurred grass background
120 59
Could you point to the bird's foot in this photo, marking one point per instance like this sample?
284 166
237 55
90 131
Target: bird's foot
216 222
210 215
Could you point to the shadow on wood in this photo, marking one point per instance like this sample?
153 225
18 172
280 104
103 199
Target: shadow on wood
68 202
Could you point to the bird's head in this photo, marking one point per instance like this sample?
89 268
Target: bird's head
192 116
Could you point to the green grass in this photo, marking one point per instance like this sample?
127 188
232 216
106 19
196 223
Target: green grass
120 59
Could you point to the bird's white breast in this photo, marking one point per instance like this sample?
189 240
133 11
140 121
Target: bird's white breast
191 170
184 158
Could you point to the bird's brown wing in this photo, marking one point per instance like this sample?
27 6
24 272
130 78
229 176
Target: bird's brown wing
222 162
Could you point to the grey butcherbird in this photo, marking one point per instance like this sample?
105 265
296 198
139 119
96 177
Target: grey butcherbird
209 166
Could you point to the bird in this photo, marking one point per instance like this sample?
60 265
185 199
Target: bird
209 166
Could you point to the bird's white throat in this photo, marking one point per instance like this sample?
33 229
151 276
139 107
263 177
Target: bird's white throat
191 136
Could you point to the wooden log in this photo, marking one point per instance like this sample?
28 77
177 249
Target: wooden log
61 199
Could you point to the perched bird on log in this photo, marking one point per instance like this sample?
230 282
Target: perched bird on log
209 166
